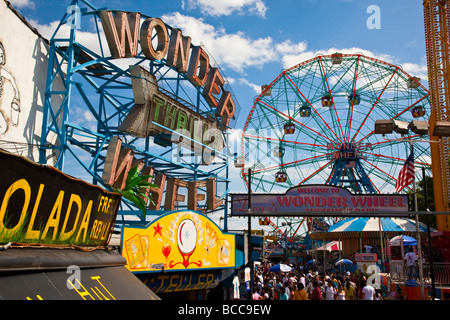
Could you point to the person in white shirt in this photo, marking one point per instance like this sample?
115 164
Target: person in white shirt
411 260
284 279
368 292
287 290
302 279
329 292
291 281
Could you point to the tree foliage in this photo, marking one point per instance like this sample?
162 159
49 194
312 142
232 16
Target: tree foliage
420 190
136 189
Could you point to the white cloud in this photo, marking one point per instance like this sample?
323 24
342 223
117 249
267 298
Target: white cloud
228 7
291 58
235 51
416 70
86 38
295 53
238 52
255 87
287 47
22 3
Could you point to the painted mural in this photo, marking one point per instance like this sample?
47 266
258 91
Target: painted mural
9 96
23 76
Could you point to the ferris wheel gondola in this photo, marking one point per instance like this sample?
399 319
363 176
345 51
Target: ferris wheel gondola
330 104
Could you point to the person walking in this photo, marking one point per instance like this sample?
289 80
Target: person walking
329 292
340 293
411 264
316 294
350 291
284 295
368 292
256 295
300 293
378 295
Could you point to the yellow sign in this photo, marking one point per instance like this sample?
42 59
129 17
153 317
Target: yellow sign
178 241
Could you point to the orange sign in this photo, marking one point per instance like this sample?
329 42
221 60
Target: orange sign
178 241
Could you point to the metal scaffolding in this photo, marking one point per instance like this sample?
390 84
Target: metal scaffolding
85 81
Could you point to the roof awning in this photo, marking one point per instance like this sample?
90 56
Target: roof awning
66 274
369 228
332 246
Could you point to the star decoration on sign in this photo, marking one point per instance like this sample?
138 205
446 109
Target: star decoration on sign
158 229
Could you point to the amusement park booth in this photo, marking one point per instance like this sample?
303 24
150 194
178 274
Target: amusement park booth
357 234
180 255
54 236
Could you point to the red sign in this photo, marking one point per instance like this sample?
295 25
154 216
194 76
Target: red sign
366 257
308 199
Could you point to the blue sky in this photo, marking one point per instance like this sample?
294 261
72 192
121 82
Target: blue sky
269 36
254 40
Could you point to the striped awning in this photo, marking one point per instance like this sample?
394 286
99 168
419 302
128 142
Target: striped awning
370 228
331 246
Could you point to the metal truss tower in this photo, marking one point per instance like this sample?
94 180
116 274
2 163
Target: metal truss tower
437 20
89 94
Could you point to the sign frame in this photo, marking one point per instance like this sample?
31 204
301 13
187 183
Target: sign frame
183 240
293 203
41 205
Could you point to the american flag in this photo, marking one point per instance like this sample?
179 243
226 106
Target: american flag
406 175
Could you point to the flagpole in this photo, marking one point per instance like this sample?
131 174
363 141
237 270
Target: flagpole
381 243
419 245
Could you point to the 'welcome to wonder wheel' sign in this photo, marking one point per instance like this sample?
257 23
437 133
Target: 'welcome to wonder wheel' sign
313 200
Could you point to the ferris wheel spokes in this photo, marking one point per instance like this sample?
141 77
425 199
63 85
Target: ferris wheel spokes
321 114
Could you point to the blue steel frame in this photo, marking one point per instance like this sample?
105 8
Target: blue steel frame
104 88
355 180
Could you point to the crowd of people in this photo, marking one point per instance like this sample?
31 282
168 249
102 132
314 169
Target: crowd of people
302 283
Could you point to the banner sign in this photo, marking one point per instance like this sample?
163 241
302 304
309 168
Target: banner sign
40 204
156 112
178 240
366 257
309 199
247 279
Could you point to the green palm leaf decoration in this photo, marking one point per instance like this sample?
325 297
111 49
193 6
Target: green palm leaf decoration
135 189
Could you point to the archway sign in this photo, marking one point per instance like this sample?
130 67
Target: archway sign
320 200
156 100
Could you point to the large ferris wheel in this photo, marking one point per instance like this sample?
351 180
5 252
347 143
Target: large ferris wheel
314 124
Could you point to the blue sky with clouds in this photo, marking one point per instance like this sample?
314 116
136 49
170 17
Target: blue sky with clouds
254 40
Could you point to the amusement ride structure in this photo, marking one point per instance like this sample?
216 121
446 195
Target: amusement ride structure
314 124
108 81
437 19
